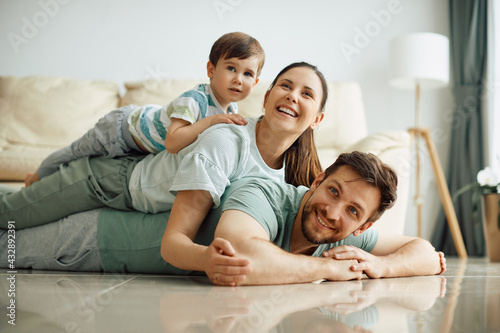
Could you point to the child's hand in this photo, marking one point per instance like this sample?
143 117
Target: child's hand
235 119
31 178
222 267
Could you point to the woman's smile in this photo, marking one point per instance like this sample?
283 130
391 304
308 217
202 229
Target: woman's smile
287 110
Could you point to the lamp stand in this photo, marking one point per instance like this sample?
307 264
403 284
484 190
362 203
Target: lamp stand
425 134
419 199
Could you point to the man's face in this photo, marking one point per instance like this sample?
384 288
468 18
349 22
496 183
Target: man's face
339 206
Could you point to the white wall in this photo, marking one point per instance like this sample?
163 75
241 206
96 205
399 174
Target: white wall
128 40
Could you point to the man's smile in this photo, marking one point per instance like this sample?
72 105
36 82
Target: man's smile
320 221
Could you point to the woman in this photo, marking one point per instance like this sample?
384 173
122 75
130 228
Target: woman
293 108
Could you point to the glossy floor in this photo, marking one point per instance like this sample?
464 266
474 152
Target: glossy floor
465 299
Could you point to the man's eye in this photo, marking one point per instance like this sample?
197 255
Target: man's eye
353 210
334 191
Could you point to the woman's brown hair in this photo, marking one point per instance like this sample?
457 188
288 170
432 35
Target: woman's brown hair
302 164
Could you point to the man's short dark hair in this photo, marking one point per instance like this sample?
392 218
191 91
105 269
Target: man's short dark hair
374 172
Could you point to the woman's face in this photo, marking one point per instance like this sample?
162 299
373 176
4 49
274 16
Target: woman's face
294 101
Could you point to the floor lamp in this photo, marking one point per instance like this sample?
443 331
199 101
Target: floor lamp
421 61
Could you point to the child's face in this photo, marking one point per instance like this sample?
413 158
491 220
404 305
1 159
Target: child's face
232 79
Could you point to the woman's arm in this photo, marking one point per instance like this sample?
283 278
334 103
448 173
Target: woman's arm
181 133
269 263
177 248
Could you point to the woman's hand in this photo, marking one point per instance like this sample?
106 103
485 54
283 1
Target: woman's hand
221 265
31 178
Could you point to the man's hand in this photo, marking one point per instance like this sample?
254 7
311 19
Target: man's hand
234 119
404 262
370 264
31 178
222 267
343 270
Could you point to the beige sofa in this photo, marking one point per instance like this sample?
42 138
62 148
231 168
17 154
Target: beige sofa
41 114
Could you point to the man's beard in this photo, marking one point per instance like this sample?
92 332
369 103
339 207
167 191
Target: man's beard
308 233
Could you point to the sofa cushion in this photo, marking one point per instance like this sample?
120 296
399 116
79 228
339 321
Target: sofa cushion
156 91
41 114
344 123
378 143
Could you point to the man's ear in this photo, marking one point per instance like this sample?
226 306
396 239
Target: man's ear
317 181
210 69
363 228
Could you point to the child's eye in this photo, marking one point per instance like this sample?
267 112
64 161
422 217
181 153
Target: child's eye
231 68
248 74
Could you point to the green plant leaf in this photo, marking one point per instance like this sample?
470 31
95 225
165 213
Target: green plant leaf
468 187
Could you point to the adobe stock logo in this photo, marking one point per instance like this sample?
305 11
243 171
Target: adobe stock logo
224 6
30 28
372 29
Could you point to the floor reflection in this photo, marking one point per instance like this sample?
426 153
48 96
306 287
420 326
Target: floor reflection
465 299
355 306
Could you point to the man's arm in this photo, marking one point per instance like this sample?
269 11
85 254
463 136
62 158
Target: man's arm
394 256
269 263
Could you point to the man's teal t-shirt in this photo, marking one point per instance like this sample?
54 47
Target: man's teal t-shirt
131 241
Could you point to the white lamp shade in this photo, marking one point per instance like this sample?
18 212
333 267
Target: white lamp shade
422 58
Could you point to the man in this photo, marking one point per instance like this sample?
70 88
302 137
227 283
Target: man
341 206
338 210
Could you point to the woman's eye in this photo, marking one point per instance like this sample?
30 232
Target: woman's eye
285 85
308 94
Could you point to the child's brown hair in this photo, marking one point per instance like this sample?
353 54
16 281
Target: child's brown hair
237 45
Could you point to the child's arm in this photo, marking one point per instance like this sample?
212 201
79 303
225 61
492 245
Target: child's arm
177 247
181 133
